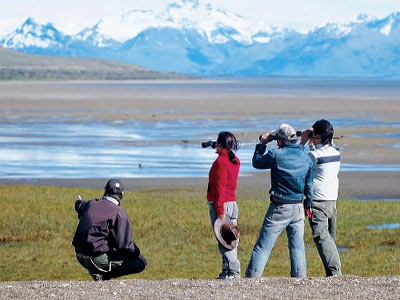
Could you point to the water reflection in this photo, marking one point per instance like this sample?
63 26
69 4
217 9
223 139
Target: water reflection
343 249
372 198
385 226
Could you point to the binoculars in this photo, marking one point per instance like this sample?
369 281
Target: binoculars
211 143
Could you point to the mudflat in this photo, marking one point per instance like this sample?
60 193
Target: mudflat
154 101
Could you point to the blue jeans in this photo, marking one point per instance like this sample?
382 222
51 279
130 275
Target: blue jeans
280 217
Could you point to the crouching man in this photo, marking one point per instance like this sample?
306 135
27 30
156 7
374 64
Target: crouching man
103 239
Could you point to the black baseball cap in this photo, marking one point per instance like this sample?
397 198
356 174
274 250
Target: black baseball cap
114 187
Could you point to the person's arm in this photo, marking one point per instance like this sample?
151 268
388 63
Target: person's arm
80 206
261 161
122 236
305 136
220 184
308 188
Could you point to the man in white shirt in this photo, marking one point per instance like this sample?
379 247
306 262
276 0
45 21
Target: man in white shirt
326 164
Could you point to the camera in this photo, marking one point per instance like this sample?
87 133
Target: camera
211 143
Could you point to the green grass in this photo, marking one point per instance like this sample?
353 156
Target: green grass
172 228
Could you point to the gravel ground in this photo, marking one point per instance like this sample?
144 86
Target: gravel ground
338 288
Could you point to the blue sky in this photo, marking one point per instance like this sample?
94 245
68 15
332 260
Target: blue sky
72 15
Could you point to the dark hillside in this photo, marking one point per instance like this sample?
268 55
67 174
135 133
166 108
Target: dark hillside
20 66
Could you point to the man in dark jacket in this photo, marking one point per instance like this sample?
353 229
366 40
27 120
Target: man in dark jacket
103 240
291 181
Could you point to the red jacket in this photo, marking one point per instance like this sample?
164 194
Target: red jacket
222 181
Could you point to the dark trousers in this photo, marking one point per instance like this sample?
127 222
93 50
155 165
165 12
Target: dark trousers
111 264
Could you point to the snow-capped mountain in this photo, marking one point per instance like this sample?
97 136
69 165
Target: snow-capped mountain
190 38
31 34
216 24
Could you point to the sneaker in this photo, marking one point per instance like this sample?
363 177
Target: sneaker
96 277
226 275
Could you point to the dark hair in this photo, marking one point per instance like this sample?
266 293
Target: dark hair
229 141
325 130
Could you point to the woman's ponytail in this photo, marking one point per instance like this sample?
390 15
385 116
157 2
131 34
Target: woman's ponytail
232 157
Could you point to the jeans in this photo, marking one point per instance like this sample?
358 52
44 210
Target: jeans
111 264
323 226
279 217
230 262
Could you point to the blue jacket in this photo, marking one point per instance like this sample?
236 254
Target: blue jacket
291 171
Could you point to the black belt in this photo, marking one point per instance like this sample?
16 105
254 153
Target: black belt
278 200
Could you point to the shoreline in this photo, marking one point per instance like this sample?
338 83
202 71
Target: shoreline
352 185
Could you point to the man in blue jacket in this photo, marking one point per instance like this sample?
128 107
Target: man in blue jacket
103 240
291 180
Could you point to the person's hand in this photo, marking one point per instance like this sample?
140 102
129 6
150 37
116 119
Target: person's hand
143 259
264 139
305 136
221 217
308 213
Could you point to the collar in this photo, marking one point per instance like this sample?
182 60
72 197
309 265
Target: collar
111 199
291 145
223 151
322 146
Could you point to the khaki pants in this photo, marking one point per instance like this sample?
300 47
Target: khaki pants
230 261
323 226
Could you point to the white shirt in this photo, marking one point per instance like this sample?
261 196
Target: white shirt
326 160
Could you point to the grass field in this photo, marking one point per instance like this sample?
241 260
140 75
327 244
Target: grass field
171 226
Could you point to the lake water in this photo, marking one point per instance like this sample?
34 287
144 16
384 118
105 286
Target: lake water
69 147
65 149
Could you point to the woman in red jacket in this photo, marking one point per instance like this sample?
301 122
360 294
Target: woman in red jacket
221 197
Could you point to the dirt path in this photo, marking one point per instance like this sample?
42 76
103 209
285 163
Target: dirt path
344 287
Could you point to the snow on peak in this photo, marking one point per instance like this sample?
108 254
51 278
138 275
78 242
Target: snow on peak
389 23
365 18
32 34
334 30
385 30
183 14
383 26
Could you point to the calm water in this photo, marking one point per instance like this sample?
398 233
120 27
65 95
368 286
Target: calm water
61 147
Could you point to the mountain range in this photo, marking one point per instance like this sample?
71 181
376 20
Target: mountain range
189 38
